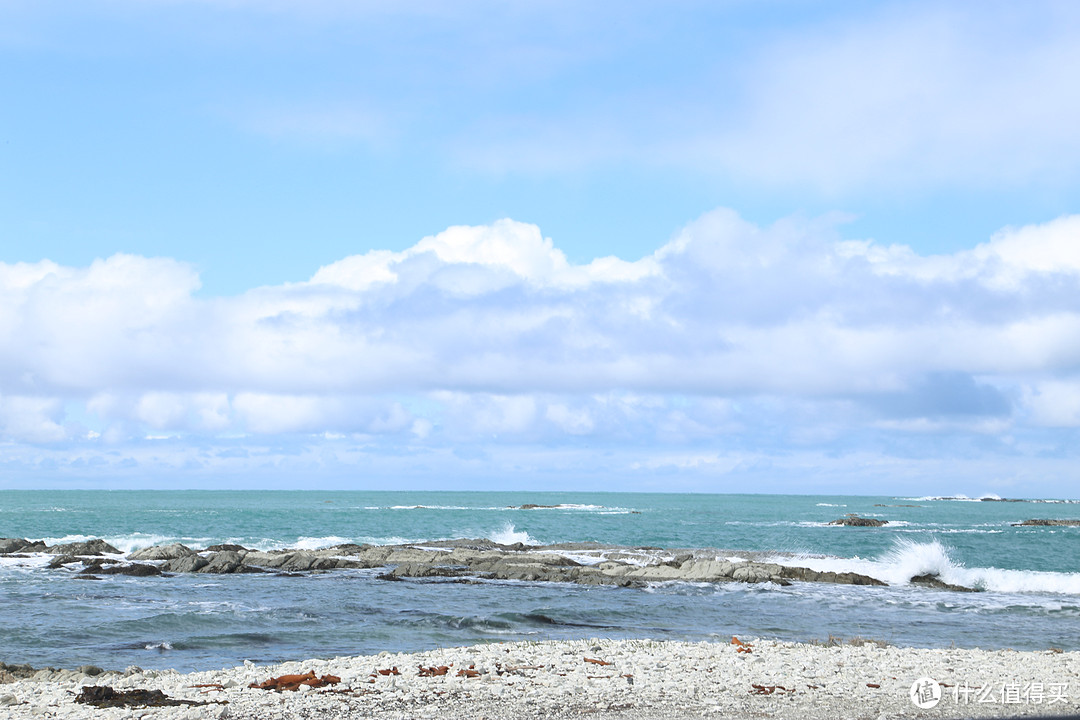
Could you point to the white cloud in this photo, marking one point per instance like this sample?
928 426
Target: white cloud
504 253
731 335
31 419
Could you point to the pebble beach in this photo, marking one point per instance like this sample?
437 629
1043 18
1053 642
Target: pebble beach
589 678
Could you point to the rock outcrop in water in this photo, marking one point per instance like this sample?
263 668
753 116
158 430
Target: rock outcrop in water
467 560
856 521
90 547
932 580
1048 523
20 545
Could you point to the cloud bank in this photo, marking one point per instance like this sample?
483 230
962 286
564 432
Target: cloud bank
730 346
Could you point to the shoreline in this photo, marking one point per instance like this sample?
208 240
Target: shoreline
596 678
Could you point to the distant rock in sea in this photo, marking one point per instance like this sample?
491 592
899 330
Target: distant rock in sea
856 521
1048 523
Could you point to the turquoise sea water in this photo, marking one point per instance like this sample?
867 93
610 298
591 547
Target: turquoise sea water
1030 576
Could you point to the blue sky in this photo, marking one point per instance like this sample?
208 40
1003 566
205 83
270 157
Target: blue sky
782 246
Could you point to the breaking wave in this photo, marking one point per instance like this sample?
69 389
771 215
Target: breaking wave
507 535
908 558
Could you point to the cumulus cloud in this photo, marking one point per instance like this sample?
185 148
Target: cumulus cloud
728 334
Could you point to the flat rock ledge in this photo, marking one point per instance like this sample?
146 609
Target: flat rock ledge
466 560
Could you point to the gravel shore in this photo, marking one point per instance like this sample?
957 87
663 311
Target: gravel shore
628 679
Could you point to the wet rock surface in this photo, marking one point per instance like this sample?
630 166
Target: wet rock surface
89 547
931 580
462 560
20 545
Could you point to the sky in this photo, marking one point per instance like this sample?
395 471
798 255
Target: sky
775 246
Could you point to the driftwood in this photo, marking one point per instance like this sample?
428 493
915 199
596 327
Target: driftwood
293 682
433 671
740 646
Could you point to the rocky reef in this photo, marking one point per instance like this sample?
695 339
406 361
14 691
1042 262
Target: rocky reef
466 560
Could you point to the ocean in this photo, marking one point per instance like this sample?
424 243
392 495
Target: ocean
1029 576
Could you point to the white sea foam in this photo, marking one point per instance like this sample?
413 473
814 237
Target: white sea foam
959 497
831 505
909 558
507 535
318 543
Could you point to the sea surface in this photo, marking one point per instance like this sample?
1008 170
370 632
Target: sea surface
1029 576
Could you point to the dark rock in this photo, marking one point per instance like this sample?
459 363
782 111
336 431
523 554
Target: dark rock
417 570
227 547
931 580
189 564
162 552
678 560
103 696
224 562
11 673
532 506
303 561
13 545
1048 523
57 563
846 578
90 547
351 548
389 576
856 521
134 570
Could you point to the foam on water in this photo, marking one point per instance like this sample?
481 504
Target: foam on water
909 558
318 543
507 535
